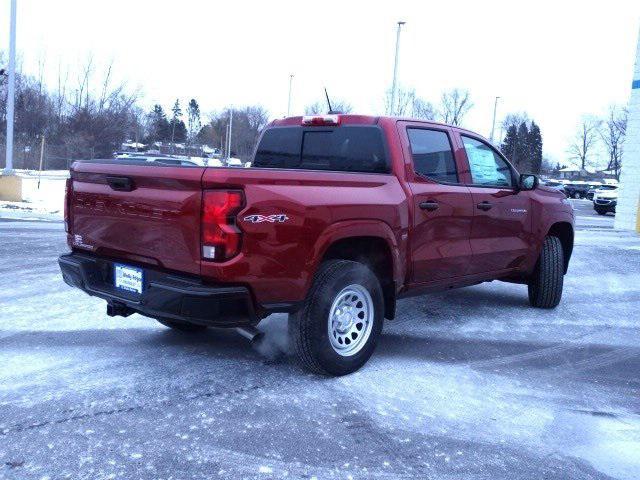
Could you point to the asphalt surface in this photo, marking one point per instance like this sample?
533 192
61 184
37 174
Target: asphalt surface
471 383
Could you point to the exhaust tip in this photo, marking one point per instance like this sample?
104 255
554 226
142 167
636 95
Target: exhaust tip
250 333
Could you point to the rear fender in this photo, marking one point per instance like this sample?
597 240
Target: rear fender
362 228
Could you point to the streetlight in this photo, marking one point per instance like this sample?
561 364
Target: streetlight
289 101
395 69
493 125
11 89
229 135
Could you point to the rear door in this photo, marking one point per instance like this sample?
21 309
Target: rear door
442 209
501 231
141 213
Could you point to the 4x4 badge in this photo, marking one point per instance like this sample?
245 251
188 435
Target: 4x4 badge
279 218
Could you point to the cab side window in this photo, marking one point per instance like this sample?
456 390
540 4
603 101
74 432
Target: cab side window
486 166
432 155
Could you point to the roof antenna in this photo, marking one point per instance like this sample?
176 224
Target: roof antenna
328 101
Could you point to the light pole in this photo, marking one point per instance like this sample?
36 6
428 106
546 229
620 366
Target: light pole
229 136
289 101
493 125
11 89
395 70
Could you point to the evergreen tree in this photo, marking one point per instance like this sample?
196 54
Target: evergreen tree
508 147
522 144
522 159
535 148
159 128
178 131
175 123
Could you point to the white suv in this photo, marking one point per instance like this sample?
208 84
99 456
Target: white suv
605 201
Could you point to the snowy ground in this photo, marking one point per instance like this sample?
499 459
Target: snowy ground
471 383
43 196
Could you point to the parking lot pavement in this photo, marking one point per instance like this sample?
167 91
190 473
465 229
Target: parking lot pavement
586 217
471 383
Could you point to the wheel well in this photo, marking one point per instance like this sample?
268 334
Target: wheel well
564 231
376 254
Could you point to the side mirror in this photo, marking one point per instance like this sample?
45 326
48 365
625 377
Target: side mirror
528 181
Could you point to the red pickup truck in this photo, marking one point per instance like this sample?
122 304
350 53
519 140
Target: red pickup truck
338 217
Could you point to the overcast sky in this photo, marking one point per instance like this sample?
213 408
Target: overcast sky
556 60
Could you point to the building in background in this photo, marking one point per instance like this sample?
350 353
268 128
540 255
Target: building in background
627 215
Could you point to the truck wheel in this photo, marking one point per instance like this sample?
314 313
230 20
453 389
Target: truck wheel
601 211
181 326
335 331
545 285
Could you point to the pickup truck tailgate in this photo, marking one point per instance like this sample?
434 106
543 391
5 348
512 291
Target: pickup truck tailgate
144 214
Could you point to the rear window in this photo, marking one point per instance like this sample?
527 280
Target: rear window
279 148
342 149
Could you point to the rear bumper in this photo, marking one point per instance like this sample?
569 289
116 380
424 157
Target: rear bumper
164 295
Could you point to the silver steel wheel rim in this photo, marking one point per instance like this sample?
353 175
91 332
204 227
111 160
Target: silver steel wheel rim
350 320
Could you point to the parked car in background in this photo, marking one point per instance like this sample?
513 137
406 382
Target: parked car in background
576 189
163 160
599 188
555 184
605 201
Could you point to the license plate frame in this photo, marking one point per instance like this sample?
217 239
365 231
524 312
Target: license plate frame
128 279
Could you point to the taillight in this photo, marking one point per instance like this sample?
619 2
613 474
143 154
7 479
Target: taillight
220 235
67 198
320 120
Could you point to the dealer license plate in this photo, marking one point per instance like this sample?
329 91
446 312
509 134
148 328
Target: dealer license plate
128 278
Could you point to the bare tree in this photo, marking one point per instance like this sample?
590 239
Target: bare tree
585 141
82 91
41 66
613 135
455 104
423 110
194 123
105 87
248 122
515 120
408 104
321 107
404 99
61 95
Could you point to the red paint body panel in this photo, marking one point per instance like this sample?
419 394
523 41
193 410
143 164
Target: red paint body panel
158 222
439 240
278 260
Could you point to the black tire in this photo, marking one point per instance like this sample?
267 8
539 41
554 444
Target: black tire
575 195
600 211
308 327
182 326
545 284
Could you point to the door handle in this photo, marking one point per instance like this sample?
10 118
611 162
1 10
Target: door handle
429 205
485 206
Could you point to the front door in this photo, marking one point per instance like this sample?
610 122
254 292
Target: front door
442 208
501 229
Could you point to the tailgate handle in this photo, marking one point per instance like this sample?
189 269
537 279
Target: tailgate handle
122 184
429 205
